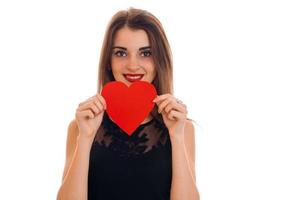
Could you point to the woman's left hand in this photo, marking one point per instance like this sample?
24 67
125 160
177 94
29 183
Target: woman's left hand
174 113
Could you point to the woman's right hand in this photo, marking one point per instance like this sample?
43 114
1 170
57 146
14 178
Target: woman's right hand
89 115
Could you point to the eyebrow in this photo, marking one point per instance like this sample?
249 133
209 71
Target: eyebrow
140 49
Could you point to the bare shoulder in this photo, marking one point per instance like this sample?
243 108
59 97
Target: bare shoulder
72 128
70 144
189 142
189 134
72 134
189 126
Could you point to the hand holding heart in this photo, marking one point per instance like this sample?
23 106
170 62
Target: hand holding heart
128 107
174 113
89 115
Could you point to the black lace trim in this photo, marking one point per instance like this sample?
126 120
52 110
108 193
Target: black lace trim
149 136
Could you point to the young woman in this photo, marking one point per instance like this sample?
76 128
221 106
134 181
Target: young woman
157 162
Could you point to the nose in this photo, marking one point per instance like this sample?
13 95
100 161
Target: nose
133 63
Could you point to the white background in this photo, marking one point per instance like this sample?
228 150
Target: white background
236 66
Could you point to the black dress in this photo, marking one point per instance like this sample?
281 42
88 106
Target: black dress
136 167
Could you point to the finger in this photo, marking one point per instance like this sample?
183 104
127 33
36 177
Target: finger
169 107
85 114
162 97
162 105
90 105
102 100
84 102
99 105
94 108
177 106
87 100
173 114
165 114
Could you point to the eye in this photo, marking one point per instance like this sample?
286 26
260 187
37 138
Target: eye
120 53
146 53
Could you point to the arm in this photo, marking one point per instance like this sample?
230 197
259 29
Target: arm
75 178
183 165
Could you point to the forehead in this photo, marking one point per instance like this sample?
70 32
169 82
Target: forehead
131 39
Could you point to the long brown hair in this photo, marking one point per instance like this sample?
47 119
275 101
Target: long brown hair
161 51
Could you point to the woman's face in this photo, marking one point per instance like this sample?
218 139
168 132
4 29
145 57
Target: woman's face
132 58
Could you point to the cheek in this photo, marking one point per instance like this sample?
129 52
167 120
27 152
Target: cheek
152 70
116 71
149 64
114 63
116 66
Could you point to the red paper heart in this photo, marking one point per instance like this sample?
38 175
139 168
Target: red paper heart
128 107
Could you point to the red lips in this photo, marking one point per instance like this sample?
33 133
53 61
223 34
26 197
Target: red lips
133 77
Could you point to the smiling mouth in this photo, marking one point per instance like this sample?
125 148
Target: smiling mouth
133 77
